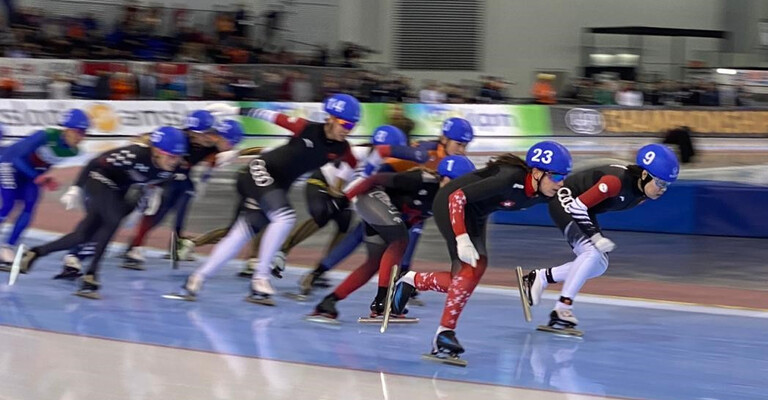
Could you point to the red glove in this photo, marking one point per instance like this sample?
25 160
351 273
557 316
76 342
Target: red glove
47 182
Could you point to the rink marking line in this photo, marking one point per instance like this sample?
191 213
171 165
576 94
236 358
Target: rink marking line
564 395
635 302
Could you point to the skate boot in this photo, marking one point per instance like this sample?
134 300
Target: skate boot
189 289
278 265
534 284
185 249
250 268
562 321
377 308
89 288
262 292
325 312
27 259
6 257
446 349
72 268
404 291
308 281
133 259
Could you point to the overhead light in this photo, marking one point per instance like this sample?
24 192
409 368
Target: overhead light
726 71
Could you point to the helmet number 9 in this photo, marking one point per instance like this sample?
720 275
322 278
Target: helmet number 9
542 156
649 157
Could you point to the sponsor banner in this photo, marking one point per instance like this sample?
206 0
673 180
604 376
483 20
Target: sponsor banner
33 74
22 117
570 121
488 120
716 121
373 115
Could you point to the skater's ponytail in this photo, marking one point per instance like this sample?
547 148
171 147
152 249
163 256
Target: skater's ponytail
508 159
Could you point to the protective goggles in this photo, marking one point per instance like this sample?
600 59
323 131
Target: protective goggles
344 123
661 184
555 177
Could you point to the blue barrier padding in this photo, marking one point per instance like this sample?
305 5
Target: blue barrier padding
688 207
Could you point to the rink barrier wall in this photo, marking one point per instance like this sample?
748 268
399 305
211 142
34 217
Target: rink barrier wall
697 207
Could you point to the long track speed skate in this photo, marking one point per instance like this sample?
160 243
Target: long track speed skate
446 349
561 322
525 297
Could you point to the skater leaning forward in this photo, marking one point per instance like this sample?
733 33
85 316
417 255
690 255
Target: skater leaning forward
584 195
389 204
461 211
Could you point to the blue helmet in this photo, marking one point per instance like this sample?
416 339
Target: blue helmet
230 130
169 140
659 161
200 121
455 166
388 134
75 119
343 106
458 129
550 156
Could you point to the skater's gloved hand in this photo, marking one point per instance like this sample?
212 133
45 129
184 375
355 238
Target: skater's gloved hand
604 245
226 157
47 182
466 250
72 198
154 199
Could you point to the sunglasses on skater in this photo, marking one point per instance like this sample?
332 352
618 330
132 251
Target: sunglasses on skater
344 123
555 177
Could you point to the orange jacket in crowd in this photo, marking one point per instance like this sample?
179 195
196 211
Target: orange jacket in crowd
543 92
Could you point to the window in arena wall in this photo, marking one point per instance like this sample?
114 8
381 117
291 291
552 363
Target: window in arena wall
438 34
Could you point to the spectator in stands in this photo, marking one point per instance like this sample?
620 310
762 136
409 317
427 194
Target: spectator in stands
122 86
396 117
9 86
328 87
301 88
60 88
603 93
431 93
543 92
681 137
147 83
710 96
629 96
744 97
103 90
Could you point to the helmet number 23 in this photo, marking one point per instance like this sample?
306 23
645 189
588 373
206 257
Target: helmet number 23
542 156
648 158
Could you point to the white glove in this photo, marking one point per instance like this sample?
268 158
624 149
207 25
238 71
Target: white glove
226 157
466 250
154 199
72 198
604 245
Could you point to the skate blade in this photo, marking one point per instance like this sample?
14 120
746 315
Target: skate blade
135 267
16 266
245 274
5 267
321 319
445 359
264 302
297 296
392 320
179 296
88 295
523 295
560 331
